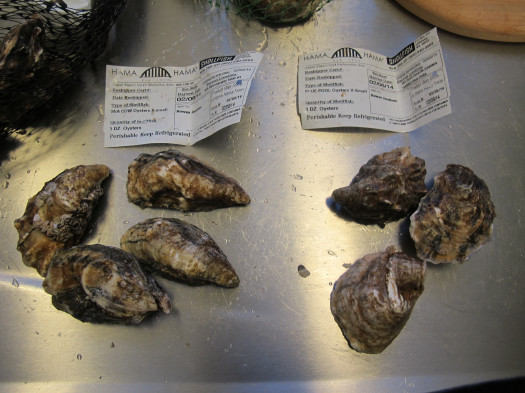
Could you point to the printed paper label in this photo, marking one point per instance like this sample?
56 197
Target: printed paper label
359 88
179 105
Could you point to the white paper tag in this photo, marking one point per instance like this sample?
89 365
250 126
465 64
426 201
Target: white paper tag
179 105
359 88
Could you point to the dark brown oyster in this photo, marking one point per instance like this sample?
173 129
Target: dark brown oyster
387 188
180 251
57 216
372 301
279 11
98 284
455 218
22 47
172 179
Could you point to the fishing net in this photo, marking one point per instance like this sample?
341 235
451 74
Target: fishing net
45 44
274 11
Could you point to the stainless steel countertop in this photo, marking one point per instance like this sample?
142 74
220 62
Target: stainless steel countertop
275 331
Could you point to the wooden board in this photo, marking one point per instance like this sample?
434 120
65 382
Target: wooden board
495 20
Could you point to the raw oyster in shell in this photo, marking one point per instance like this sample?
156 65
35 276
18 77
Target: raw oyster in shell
180 251
279 11
174 180
96 283
388 187
455 218
22 47
57 216
372 301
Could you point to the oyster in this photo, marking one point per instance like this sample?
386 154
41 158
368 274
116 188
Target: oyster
179 250
57 216
174 180
372 301
279 11
388 187
455 218
22 47
97 283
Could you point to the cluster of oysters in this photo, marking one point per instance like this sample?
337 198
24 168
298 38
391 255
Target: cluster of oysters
99 283
373 299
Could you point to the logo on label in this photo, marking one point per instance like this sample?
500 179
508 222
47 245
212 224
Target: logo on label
155 72
346 52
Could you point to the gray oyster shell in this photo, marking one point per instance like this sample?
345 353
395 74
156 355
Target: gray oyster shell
455 218
372 301
387 188
174 180
96 283
57 216
178 250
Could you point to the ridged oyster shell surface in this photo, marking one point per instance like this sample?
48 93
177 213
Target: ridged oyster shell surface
179 250
387 188
372 301
97 283
455 218
57 216
22 47
279 11
171 179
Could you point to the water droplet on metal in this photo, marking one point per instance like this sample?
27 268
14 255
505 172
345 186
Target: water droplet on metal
282 63
303 271
100 114
264 44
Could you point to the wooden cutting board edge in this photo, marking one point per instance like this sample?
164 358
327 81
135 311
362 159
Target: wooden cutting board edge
492 20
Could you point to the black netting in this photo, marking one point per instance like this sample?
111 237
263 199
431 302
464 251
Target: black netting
45 44
274 11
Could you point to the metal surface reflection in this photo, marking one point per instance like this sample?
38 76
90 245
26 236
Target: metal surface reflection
275 331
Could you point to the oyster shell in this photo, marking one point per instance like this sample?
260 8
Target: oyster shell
179 250
57 216
279 11
96 283
174 180
22 47
455 218
388 187
372 301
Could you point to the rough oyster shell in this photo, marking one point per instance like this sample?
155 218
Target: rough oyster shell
174 180
57 216
22 47
97 283
388 187
279 11
179 250
372 301
455 218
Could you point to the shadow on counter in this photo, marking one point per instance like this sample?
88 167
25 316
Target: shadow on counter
504 385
